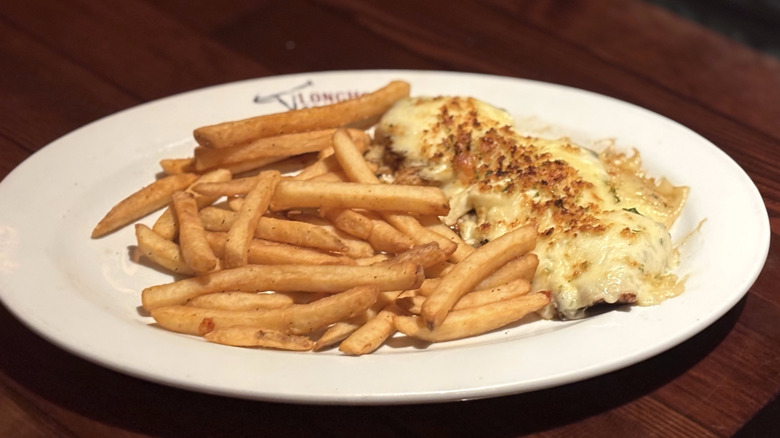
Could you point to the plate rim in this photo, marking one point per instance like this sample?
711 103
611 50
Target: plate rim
40 328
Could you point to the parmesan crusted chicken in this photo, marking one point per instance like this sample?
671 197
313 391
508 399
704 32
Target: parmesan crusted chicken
603 224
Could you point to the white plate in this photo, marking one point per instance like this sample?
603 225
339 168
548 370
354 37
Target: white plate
84 294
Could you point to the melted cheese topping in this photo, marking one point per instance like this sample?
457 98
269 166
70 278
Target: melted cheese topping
603 225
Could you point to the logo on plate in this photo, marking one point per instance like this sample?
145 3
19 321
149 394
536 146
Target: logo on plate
303 96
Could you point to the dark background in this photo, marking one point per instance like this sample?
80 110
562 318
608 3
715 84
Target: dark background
755 23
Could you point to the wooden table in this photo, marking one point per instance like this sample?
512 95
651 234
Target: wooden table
68 63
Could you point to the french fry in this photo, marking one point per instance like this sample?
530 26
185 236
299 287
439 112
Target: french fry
385 238
192 237
299 233
522 267
339 331
278 230
255 164
381 197
249 336
358 170
424 255
356 248
484 296
349 221
412 300
161 251
342 329
421 235
166 225
265 252
372 334
339 114
278 146
473 269
245 222
174 166
326 163
372 260
338 176
351 159
283 278
439 270
150 198
241 301
234 187
298 319
462 250
472 321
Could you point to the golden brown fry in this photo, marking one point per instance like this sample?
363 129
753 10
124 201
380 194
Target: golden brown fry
439 270
173 166
278 230
356 248
372 334
421 235
412 300
523 267
237 186
339 114
249 336
351 159
381 197
277 146
254 164
358 170
192 237
298 319
283 278
245 222
325 164
161 251
265 252
150 198
330 177
342 329
166 225
484 296
462 250
299 233
349 221
473 269
385 238
473 321
424 255
241 301
371 260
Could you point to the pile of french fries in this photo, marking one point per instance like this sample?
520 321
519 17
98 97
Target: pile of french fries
322 256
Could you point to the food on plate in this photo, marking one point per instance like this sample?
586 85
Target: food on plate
464 276
195 248
365 108
603 224
429 218
253 207
147 200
